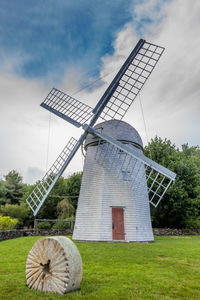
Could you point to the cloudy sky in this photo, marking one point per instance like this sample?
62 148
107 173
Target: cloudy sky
69 45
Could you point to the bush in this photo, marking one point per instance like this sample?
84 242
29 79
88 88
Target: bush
64 209
192 223
6 223
61 225
44 225
21 212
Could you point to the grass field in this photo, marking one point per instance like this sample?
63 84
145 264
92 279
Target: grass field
169 268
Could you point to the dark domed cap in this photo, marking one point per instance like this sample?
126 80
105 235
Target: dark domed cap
118 130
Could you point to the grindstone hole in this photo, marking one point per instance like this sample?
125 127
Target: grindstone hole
46 268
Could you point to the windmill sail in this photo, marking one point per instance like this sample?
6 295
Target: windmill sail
129 81
67 108
118 97
43 188
128 163
113 104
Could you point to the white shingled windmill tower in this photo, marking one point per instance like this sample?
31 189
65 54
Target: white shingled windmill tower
118 180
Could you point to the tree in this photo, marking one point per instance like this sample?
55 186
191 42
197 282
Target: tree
14 188
20 212
67 189
58 193
181 202
64 209
73 185
2 192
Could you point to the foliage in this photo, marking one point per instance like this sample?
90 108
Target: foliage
181 202
61 225
14 188
7 223
59 203
58 193
21 212
165 269
2 192
73 184
193 223
179 208
64 209
12 191
27 191
64 188
44 225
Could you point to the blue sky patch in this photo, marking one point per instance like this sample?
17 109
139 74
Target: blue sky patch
54 35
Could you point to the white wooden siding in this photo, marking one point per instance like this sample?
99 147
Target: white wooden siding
101 190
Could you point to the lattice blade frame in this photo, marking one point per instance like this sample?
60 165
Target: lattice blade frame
121 93
43 188
157 184
158 178
118 97
68 108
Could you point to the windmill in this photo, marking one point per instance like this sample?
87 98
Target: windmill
114 159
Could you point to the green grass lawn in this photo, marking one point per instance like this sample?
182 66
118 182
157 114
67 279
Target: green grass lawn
169 268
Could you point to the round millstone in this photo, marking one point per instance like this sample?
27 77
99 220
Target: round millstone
54 265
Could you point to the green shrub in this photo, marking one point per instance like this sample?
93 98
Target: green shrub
21 212
65 209
44 225
7 223
192 223
61 225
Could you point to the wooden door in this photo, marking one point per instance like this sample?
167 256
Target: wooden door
118 223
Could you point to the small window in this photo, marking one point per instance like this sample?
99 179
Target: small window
126 175
121 151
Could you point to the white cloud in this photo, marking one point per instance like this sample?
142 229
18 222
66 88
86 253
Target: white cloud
170 97
25 128
176 94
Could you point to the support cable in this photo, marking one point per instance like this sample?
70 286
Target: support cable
145 127
48 141
93 82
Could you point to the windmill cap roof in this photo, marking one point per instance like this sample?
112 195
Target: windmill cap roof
118 130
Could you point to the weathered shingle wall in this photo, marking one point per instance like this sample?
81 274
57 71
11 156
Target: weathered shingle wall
103 189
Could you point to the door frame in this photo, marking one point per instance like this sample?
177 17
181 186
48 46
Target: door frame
124 213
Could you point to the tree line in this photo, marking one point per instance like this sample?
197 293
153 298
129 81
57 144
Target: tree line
60 204
179 208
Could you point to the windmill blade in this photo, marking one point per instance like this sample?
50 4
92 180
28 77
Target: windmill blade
68 108
118 97
43 188
128 163
129 81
